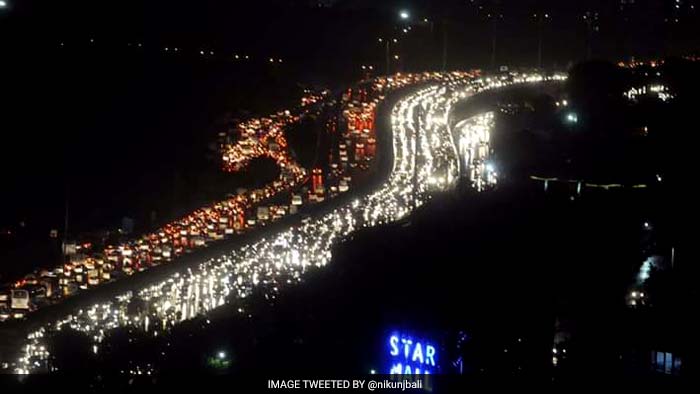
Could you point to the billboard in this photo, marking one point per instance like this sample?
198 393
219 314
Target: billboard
407 354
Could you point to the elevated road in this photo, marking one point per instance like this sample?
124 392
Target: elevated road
420 155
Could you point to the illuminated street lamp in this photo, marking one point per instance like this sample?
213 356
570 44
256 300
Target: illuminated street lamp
404 15
387 47
220 361
3 4
572 117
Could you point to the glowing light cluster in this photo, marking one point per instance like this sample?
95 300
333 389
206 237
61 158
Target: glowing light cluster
474 149
429 157
654 90
260 137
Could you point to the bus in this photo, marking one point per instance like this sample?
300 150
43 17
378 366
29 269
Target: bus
19 299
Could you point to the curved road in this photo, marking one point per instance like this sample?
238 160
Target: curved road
428 157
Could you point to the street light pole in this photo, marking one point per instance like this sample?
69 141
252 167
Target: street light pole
539 44
444 45
65 226
388 58
590 17
540 18
387 53
493 45
588 38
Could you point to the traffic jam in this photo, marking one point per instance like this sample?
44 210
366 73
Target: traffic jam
273 262
88 267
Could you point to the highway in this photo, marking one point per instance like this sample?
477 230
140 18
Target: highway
426 156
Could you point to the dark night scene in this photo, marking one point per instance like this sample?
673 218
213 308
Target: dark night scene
427 196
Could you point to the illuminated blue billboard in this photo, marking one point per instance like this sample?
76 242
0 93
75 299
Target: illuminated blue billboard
410 355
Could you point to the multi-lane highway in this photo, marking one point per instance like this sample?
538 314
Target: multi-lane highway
427 156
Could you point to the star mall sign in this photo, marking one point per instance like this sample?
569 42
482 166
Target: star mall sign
409 355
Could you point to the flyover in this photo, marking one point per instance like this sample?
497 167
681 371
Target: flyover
420 157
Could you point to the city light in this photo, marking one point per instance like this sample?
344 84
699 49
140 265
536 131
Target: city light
404 15
281 259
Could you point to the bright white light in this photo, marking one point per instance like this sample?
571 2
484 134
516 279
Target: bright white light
404 15
222 355
645 270
3 4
